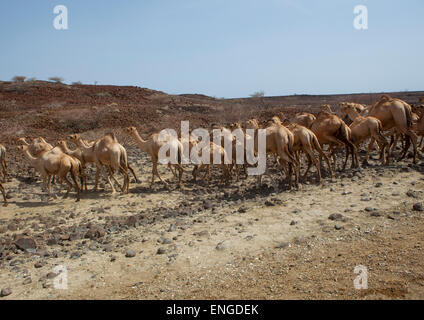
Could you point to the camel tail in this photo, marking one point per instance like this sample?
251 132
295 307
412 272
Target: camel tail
74 178
291 153
316 144
408 116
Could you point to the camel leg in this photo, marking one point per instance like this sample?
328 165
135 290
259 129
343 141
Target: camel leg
194 172
4 195
4 165
98 170
133 173
327 161
103 172
70 186
421 142
155 171
316 162
49 190
74 174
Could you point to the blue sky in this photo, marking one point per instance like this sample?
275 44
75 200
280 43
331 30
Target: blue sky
222 48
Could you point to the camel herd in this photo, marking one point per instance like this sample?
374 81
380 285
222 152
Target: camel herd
286 140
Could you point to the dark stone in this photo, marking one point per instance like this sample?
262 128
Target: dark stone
418 207
5 292
282 245
335 217
26 243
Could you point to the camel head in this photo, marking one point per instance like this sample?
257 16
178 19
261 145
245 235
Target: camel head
235 125
61 143
252 124
22 148
326 107
74 137
131 130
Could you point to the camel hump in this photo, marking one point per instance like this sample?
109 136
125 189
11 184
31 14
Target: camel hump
385 97
112 135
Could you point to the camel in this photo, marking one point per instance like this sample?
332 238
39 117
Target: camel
304 119
419 129
107 152
279 141
55 162
365 127
152 147
395 113
85 157
330 129
305 140
3 161
213 148
229 139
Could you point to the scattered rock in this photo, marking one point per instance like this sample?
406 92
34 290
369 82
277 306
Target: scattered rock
269 203
26 243
242 209
335 217
130 253
221 246
5 292
161 251
418 207
282 245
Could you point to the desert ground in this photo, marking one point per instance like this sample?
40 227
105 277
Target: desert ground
204 241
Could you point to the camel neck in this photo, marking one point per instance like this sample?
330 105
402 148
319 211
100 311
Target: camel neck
139 140
29 156
353 114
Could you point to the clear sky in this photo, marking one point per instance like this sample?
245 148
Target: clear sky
222 48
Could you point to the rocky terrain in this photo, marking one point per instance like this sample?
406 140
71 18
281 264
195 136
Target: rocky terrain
204 241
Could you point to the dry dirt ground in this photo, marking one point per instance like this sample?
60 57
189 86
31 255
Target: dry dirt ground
239 242
214 242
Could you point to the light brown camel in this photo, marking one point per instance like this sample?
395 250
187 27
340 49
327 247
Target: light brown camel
331 130
106 152
279 141
86 157
306 141
3 161
395 113
55 162
152 147
363 128
419 129
304 119
214 148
